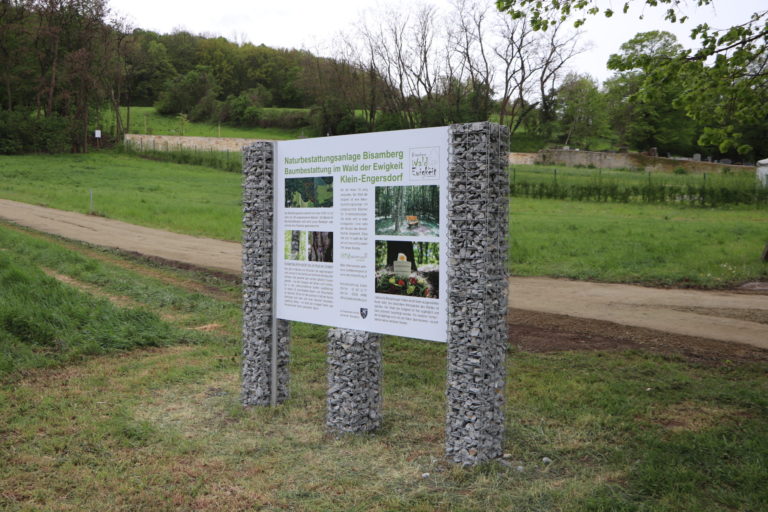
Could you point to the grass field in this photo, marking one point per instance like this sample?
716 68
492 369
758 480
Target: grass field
624 186
162 428
568 175
639 243
650 244
147 120
184 198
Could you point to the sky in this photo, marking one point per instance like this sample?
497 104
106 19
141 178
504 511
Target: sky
311 24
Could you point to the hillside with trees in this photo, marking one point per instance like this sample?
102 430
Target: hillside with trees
66 66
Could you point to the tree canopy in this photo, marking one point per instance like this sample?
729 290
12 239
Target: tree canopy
725 79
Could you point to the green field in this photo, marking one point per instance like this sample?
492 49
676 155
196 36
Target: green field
624 186
185 198
163 429
147 120
647 244
637 243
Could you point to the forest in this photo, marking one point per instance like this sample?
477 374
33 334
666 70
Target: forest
67 65
309 192
408 210
309 246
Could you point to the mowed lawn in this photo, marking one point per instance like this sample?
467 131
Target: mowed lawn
635 243
88 423
183 198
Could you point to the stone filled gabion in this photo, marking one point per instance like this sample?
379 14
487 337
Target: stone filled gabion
354 381
477 299
258 168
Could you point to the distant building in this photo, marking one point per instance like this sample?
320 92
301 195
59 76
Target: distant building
762 172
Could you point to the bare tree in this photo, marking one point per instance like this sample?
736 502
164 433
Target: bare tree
516 52
468 41
443 69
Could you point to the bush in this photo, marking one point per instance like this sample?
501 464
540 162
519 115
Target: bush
680 170
289 119
332 118
23 132
198 88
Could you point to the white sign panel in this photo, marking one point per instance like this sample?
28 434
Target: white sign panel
361 237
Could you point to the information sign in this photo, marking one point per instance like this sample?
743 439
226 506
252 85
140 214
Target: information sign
361 232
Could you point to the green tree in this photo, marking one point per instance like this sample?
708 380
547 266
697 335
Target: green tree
193 93
149 67
645 112
182 50
220 56
582 110
726 77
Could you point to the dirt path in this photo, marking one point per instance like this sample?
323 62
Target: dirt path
719 315
697 315
200 252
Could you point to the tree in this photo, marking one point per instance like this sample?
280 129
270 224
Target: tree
149 67
725 79
582 110
192 93
644 111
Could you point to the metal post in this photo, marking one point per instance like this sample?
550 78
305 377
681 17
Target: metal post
275 254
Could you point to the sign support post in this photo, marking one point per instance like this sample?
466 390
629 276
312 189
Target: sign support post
477 298
399 233
273 346
265 338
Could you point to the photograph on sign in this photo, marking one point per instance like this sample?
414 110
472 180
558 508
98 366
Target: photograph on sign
309 246
361 223
408 268
408 210
309 192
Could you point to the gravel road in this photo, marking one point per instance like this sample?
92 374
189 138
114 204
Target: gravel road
730 316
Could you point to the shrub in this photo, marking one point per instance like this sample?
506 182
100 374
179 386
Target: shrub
680 170
23 132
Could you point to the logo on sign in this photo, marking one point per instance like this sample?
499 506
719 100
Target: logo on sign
363 312
424 163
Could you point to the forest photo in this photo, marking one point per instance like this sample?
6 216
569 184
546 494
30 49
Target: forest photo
408 211
309 192
309 246
408 268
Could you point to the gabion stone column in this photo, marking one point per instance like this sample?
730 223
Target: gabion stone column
477 299
354 381
258 169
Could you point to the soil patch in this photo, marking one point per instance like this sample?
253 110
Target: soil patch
536 332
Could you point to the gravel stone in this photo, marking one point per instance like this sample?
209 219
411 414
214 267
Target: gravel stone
477 299
354 381
258 186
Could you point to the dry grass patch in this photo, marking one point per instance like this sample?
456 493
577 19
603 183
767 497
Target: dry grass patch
693 416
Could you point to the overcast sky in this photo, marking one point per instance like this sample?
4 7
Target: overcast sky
310 24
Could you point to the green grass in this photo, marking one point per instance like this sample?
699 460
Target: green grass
230 161
107 271
146 120
44 323
650 244
163 429
640 243
609 185
185 198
